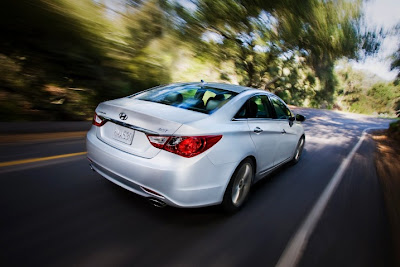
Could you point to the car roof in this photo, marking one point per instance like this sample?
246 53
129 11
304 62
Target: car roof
224 86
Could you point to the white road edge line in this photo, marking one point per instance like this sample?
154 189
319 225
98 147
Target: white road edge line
297 244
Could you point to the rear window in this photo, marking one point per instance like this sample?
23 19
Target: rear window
198 98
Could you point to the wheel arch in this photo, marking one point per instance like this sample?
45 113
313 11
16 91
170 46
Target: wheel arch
253 159
250 159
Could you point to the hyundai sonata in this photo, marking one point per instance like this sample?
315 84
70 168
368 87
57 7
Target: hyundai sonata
193 144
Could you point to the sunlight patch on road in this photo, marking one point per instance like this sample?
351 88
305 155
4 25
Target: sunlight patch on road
337 140
325 119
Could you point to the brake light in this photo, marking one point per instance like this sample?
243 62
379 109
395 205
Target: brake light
97 120
185 146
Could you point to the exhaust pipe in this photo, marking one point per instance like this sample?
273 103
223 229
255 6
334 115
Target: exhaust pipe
91 167
157 203
90 164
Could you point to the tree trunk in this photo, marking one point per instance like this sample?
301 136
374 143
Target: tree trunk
271 82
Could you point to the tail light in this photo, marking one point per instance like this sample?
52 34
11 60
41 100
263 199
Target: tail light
97 120
185 146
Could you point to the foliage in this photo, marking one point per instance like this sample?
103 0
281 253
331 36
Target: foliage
49 46
60 58
262 38
394 129
71 45
396 64
396 55
367 94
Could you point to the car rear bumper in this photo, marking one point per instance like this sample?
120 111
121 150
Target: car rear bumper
175 180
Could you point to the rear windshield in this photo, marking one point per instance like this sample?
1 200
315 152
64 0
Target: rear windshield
198 98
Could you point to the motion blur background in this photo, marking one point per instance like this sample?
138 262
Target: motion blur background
60 58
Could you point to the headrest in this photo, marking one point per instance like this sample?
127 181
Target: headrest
253 109
212 104
220 97
175 98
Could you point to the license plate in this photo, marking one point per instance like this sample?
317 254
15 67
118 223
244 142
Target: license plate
123 134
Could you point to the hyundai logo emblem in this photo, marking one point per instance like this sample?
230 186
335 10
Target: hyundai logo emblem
123 116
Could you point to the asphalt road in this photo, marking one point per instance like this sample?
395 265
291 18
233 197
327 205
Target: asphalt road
60 213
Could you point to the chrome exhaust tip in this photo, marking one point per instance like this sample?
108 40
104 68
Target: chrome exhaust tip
91 167
157 203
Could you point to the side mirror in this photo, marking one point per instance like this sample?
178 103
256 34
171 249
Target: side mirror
291 121
300 117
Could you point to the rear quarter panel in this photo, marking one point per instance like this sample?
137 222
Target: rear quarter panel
234 146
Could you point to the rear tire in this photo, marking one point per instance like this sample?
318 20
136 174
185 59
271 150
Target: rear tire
238 189
298 151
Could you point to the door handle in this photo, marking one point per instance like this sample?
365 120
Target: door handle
258 130
283 131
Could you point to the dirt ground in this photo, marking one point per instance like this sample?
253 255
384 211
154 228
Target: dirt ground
387 161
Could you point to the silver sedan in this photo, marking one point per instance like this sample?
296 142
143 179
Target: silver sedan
193 144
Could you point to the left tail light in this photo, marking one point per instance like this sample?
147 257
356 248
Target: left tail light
185 146
97 120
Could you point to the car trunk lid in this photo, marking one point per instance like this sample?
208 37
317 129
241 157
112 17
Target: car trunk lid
128 121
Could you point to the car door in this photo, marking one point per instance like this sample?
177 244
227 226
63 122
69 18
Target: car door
264 130
288 138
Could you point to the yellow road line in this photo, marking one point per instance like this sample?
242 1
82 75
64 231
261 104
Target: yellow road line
24 161
15 138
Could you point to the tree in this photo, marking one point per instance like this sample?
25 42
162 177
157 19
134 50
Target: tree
63 57
259 37
364 92
48 46
396 64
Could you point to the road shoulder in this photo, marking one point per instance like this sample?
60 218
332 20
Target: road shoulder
387 159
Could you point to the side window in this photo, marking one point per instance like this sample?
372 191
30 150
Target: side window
255 107
282 112
241 114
